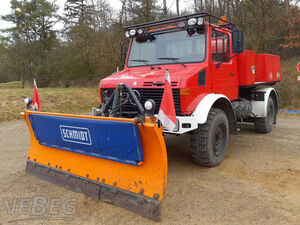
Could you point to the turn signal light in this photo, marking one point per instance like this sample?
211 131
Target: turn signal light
185 91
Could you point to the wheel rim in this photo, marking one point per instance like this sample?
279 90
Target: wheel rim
270 114
219 139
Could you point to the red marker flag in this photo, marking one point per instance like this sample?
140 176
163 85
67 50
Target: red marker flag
167 114
36 104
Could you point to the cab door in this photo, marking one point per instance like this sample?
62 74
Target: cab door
225 75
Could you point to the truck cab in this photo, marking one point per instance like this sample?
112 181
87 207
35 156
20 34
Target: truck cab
190 56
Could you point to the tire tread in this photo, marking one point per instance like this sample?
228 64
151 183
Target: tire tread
261 124
199 141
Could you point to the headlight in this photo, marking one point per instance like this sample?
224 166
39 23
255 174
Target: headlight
140 31
192 22
148 105
132 33
26 101
181 24
127 34
200 21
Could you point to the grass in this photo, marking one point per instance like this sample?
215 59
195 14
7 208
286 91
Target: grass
61 100
289 88
11 85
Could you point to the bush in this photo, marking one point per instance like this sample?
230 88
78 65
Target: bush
289 88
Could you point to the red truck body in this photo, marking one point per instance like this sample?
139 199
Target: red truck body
245 70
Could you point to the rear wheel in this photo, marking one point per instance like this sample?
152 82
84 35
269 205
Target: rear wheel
264 125
209 141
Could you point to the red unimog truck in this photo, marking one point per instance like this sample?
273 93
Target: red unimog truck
216 83
118 155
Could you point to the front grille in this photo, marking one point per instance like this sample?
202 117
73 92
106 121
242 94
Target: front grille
149 93
150 84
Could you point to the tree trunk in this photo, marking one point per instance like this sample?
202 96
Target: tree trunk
165 8
23 79
220 6
287 6
123 12
227 9
177 7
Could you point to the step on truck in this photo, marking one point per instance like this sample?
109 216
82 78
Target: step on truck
118 154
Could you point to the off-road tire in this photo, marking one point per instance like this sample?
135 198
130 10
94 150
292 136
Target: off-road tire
242 109
209 141
264 125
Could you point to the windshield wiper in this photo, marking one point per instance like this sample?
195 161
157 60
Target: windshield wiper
173 59
143 61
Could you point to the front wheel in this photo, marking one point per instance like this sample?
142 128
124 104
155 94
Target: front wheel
209 141
264 125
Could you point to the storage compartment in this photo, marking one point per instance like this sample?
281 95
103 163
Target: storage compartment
246 68
267 68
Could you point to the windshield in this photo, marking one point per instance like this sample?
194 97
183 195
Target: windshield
175 45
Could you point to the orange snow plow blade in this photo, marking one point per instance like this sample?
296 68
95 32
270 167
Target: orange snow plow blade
110 159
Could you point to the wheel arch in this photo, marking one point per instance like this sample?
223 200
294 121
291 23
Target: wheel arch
274 96
225 105
259 108
217 101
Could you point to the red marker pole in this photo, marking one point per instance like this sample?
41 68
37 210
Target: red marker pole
298 68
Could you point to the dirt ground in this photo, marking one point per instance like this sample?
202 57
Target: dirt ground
258 183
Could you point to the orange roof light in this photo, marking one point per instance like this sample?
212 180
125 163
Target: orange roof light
223 18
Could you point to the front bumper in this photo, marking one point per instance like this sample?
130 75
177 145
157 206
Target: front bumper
184 124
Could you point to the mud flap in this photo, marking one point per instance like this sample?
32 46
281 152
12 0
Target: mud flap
109 159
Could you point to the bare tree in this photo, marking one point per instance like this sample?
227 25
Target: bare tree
165 7
123 16
227 8
287 6
177 7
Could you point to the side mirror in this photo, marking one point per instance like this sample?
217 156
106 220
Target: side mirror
123 54
237 41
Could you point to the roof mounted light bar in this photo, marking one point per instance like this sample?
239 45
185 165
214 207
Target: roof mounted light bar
180 19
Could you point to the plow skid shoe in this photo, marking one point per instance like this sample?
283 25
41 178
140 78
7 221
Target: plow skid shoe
109 159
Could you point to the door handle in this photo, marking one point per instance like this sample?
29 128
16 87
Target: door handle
231 74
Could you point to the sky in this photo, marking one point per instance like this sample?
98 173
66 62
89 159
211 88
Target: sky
116 4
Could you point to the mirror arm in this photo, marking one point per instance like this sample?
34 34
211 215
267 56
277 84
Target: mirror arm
218 64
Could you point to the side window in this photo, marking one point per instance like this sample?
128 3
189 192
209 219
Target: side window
220 46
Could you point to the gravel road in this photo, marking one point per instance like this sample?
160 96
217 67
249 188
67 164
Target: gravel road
258 183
